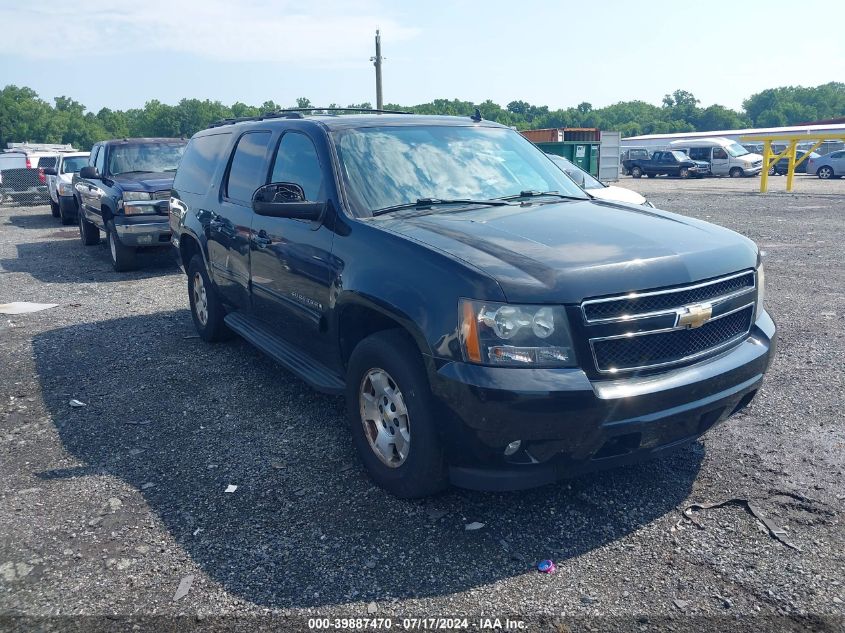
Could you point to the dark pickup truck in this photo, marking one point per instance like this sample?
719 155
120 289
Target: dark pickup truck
490 324
672 163
125 191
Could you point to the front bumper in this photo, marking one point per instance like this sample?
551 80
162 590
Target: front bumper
569 424
752 171
143 230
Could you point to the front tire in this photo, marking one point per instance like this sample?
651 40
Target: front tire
825 172
122 256
206 308
68 215
735 172
391 415
88 233
683 173
636 172
54 208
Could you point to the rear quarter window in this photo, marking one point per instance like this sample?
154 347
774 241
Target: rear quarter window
199 162
47 161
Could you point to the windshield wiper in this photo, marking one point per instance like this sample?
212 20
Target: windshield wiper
533 193
425 203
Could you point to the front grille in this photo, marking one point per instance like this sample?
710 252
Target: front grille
162 195
648 303
650 349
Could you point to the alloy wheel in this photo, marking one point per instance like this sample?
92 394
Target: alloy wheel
385 418
200 299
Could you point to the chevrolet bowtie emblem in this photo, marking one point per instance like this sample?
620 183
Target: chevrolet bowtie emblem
695 315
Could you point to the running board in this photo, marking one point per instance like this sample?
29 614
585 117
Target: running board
288 356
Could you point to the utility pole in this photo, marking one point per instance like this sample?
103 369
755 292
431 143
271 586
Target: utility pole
377 63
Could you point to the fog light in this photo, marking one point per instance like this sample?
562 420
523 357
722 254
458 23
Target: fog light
512 448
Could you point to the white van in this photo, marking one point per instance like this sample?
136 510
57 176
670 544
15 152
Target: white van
726 157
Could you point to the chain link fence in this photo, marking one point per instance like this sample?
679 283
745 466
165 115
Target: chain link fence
23 181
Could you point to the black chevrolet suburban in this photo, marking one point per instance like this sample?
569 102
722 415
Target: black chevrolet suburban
489 323
125 191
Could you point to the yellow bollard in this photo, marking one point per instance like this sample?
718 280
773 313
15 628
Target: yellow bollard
790 170
764 175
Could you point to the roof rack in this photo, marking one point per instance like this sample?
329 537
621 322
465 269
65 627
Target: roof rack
297 113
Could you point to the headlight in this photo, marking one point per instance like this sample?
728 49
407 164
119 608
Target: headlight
136 195
761 292
503 334
65 189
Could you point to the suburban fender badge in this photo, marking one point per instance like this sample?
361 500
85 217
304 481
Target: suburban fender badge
695 315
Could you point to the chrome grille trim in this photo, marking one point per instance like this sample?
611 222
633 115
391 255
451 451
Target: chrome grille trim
668 311
164 194
684 359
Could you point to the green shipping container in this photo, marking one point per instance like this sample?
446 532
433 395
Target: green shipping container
582 153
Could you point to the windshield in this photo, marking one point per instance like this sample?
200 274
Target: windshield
386 166
679 156
735 149
150 157
72 164
582 178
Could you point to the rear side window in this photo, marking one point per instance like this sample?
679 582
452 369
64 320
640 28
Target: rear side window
700 153
47 161
248 170
199 162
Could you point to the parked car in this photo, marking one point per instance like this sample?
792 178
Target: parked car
825 167
22 177
669 163
60 184
595 187
490 324
725 157
124 190
825 148
781 167
630 153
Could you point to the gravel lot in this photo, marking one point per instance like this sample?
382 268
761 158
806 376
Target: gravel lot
104 509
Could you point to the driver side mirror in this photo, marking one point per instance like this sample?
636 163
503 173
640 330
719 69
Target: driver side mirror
89 172
286 200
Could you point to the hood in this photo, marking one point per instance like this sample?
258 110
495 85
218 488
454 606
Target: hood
617 194
145 181
568 251
751 158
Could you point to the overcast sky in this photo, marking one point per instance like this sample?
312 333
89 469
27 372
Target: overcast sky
122 53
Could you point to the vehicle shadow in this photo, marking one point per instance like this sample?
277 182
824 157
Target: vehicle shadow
43 220
181 420
63 259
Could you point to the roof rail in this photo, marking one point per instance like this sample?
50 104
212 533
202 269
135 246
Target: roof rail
298 113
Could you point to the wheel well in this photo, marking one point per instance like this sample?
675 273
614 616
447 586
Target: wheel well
188 247
106 213
358 322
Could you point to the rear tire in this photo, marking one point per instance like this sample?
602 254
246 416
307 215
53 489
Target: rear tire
636 172
395 416
122 256
825 172
54 208
88 233
735 172
206 308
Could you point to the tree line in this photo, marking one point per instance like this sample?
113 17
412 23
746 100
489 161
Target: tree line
24 116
